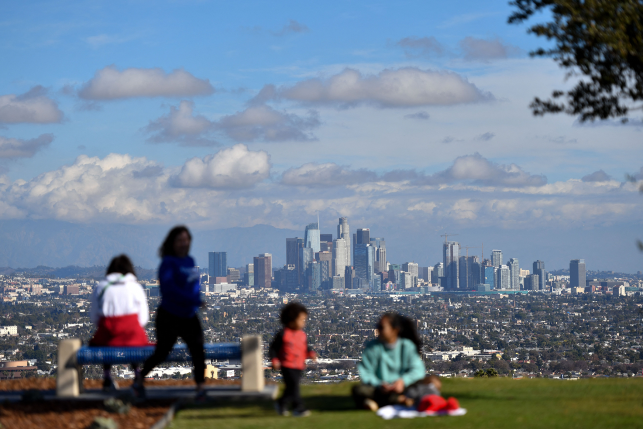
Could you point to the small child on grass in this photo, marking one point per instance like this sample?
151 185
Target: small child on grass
288 352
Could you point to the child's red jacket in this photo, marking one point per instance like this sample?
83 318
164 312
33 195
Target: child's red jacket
290 347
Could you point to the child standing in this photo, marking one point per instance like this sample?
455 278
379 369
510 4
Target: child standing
288 352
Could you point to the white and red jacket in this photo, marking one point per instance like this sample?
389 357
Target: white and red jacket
119 309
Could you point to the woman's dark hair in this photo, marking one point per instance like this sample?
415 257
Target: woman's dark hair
121 264
167 248
405 326
291 312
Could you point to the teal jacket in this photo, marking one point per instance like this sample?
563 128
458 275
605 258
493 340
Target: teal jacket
381 365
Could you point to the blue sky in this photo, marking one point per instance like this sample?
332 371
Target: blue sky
227 114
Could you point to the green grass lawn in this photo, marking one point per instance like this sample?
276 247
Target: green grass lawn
491 403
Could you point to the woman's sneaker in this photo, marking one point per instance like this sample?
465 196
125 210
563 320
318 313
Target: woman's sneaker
281 410
138 389
302 413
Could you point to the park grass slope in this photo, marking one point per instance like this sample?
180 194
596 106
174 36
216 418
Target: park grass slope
491 403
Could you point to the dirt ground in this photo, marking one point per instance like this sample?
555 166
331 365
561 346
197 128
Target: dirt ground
80 414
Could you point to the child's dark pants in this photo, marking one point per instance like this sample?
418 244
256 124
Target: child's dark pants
292 395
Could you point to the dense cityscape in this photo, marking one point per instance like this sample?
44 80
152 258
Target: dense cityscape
473 315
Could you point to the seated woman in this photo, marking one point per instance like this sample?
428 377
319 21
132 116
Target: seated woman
390 364
119 310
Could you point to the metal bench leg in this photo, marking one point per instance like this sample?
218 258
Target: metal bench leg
68 380
252 379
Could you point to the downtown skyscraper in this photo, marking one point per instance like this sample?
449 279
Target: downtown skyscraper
577 273
451 257
343 232
217 264
539 269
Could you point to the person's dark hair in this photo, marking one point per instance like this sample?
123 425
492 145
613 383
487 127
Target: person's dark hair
291 312
405 326
167 248
121 264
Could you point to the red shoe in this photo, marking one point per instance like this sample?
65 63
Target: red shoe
452 404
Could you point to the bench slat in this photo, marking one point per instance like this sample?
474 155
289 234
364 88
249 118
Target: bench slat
126 355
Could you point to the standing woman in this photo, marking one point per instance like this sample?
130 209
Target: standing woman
176 316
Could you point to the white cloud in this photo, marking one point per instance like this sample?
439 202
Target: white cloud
422 115
261 122
110 83
33 107
181 125
231 168
405 87
485 50
328 174
480 170
18 148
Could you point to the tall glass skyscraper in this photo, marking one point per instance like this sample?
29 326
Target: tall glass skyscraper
504 279
339 257
496 258
311 237
451 256
514 273
365 263
539 268
489 276
218 266
343 232
577 273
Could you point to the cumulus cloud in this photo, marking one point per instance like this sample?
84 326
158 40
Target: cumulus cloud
405 87
479 170
262 122
182 126
292 27
33 107
597 176
415 47
475 49
231 168
422 115
328 174
110 83
17 148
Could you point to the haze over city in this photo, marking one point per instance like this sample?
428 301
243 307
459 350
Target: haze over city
412 119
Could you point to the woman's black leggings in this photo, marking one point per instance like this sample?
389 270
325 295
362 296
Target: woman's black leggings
168 329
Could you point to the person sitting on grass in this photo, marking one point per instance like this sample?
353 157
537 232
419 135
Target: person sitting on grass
390 364
119 311
177 314
288 352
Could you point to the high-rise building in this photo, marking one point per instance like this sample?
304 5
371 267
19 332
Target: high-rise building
328 238
343 232
312 237
314 282
577 273
489 276
514 273
363 236
325 260
349 276
496 258
292 250
233 275
438 271
306 257
263 271
339 257
475 271
424 273
412 269
380 254
249 275
463 268
394 273
451 256
539 268
365 264
504 278
532 282
218 266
